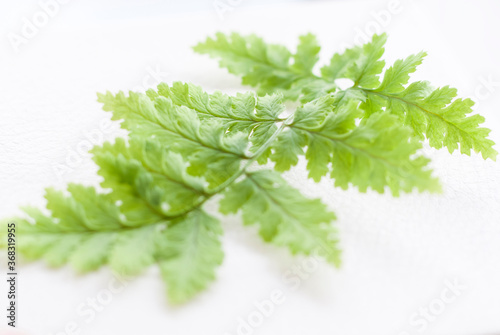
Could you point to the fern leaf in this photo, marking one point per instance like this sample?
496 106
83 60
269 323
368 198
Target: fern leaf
365 70
434 114
152 214
145 170
285 217
203 128
268 67
190 251
186 147
244 113
179 129
307 54
398 75
74 233
378 153
137 229
186 249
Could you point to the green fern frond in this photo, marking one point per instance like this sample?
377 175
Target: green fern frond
152 208
285 217
437 115
187 147
187 249
377 153
244 113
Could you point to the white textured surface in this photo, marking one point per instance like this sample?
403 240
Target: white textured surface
398 253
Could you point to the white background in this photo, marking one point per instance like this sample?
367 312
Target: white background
398 252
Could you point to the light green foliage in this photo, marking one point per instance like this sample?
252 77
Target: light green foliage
270 68
244 113
187 248
84 233
379 152
187 147
285 217
435 114
190 250
128 227
146 171
179 129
